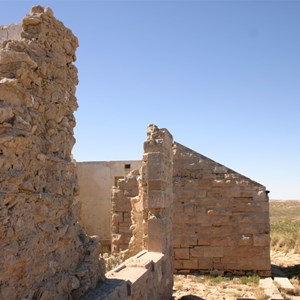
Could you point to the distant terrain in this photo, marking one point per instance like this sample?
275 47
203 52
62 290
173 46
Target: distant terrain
285 225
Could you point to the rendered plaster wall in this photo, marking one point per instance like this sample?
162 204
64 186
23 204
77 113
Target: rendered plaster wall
44 254
95 182
221 218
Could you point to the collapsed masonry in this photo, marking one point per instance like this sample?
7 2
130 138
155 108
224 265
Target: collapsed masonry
149 274
44 254
221 218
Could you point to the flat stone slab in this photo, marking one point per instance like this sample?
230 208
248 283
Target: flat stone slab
128 274
110 289
270 289
284 283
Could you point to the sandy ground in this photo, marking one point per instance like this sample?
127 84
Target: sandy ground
285 259
191 287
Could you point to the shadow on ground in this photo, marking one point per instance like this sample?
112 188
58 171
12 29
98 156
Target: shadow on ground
292 271
289 272
191 297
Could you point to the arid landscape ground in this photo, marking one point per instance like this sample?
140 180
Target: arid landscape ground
285 245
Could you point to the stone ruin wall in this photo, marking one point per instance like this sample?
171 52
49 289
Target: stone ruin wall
157 195
221 218
45 254
148 274
124 196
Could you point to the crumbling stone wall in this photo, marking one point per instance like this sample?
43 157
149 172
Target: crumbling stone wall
148 196
124 195
221 218
44 252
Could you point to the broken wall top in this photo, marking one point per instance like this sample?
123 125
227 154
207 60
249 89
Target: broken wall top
10 32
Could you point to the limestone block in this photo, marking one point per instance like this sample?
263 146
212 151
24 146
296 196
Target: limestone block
209 251
243 252
261 240
186 241
156 185
229 260
197 252
218 266
127 217
191 264
254 264
220 221
182 253
204 240
157 244
205 263
265 207
261 196
242 199
208 201
220 231
117 217
178 207
247 207
270 289
189 208
110 289
124 228
157 199
250 228
122 206
223 241
154 146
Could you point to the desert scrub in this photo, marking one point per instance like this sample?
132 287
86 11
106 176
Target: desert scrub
260 294
250 280
285 225
112 261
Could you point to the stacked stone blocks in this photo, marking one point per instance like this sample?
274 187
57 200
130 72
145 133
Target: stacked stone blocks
225 215
123 194
221 218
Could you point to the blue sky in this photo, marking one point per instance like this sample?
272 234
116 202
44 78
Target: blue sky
222 76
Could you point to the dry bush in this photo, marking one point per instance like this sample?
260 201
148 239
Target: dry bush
112 261
259 294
